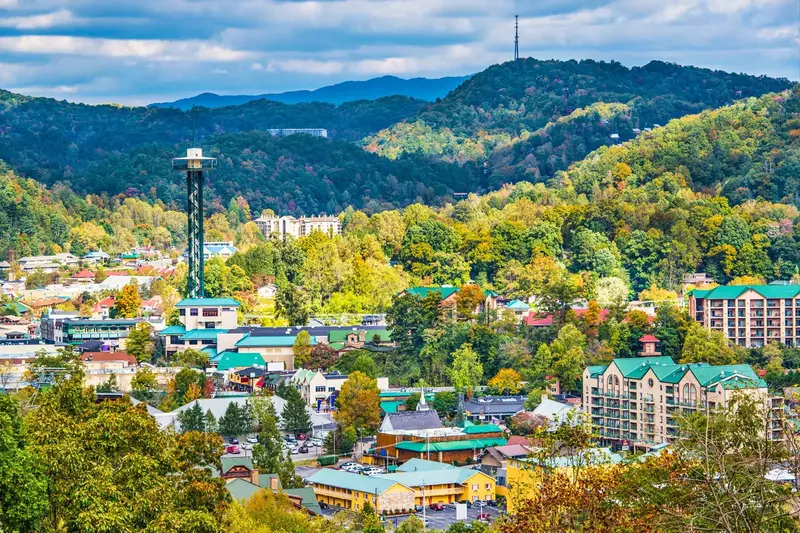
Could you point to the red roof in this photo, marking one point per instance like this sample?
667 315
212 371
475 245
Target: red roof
648 338
105 357
108 303
83 274
533 320
518 441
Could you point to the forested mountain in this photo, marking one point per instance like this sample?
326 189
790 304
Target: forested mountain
532 118
419 88
51 140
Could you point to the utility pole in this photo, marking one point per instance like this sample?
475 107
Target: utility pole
424 507
516 37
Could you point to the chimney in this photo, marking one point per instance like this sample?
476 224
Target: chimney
273 483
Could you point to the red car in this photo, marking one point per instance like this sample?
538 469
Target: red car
436 507
483 516
232 449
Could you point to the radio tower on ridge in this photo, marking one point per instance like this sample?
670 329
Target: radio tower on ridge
194 164
516 37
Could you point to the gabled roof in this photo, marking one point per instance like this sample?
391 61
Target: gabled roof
414 420
357 482
638 366
229 462
208 302
423 292
449 476
173 330
517 305
422 465
231 360
83 274
708 375
648 338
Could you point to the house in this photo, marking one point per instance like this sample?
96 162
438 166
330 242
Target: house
438 482
96 257
493 408
83 276
117 282
151 306
558 413
268 291
102 308
318 389
242 489
77 330
223 249
519 308
493 461
448 296
47 263
40 305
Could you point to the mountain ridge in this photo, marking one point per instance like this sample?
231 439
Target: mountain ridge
428 89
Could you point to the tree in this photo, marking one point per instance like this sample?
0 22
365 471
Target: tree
365 364
412 401
140 343
507 381
110 467
467 370
445 403
192 419
358 404
269 454
468 299
144 384
292 304
129 302
564 358
534 399
706 346
23 484
302 349
295 413
236 420
184 381
109 385
191 358
323 357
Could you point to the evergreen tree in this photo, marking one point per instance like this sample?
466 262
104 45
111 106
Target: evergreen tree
269 455
192 419
235 421
295 414
210 422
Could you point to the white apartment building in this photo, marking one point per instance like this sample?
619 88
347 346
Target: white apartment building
298 227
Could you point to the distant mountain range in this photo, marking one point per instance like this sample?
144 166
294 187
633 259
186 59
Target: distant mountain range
420 88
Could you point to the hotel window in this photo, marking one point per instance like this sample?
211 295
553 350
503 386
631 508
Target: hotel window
175 339
475 487
320 388
193 311
488 486
331 389
182 312
210 312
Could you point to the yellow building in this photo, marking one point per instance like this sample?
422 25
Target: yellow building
337 488
523 475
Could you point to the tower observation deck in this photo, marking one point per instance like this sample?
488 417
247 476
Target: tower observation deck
194 164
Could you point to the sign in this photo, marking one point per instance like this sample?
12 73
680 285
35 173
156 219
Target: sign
461 511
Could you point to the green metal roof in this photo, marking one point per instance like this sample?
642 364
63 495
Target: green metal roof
208 302
340 335
241 489
636 367
395 394
173 330
707 375
346 480
231 360
482 428
596 370
211 351
423 292
517 305
264 480
729 292
202 334
422 465
309 498
432 477
270 341
452 446
699 293
391 407
230 462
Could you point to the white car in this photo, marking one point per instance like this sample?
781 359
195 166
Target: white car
252 439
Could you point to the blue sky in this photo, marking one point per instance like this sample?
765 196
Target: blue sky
137 52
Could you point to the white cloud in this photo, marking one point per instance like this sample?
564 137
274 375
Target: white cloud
37 22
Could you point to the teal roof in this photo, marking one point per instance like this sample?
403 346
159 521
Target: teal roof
211 351
448 476
707 375
229 462
595 370
173 330
636 367
346 480
391 407
423 292
667 371
729 292
482 428
241 489
395 394
422 465
309 498
457 445
517 305
699 293
231 360
270 341
208 302
202 334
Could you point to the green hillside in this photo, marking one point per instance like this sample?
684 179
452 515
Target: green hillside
532 118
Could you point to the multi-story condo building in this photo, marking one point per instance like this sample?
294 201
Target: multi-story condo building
750 315
636 402
298 227
79 330
314 132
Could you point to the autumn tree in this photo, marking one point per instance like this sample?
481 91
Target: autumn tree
706 346
507 381
358 403
140 343
322 357
468 299
129 302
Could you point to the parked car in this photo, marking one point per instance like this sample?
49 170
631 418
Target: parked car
233 448
303 449
247 446
469 503
483 517
234 440
347 464
371 471
491 503
301 436
480 502
252 439
436 507
295 450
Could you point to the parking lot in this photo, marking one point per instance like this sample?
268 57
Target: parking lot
436 519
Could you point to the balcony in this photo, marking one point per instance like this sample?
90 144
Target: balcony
649 408
648 399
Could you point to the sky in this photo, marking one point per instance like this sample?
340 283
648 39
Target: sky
135 52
